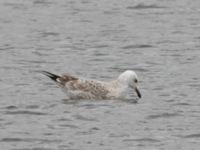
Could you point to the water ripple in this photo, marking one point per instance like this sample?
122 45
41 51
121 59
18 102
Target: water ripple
80 117
42 2
142 140
11 107
163 115
36 148
137 46
144 6
29 140
197 135
46 34
182 104
69 126
25 112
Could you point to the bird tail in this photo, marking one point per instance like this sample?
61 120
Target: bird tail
52 76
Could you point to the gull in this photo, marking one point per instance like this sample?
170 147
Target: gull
80 88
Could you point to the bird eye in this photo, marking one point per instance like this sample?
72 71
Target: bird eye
136 81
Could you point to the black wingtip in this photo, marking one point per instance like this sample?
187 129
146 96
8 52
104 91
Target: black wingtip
50 75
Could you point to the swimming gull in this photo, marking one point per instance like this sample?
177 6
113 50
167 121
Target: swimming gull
80 88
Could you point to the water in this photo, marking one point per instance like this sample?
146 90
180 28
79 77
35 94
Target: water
100 39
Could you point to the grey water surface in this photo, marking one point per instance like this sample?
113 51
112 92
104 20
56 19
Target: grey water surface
99 39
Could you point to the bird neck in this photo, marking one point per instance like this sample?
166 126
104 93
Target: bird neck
121 87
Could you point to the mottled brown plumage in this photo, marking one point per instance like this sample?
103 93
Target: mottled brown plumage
65 79
77 88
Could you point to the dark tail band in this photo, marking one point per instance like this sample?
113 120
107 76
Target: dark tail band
50 75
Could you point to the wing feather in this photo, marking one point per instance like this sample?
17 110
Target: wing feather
95 88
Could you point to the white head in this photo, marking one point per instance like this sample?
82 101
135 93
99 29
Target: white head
130 79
